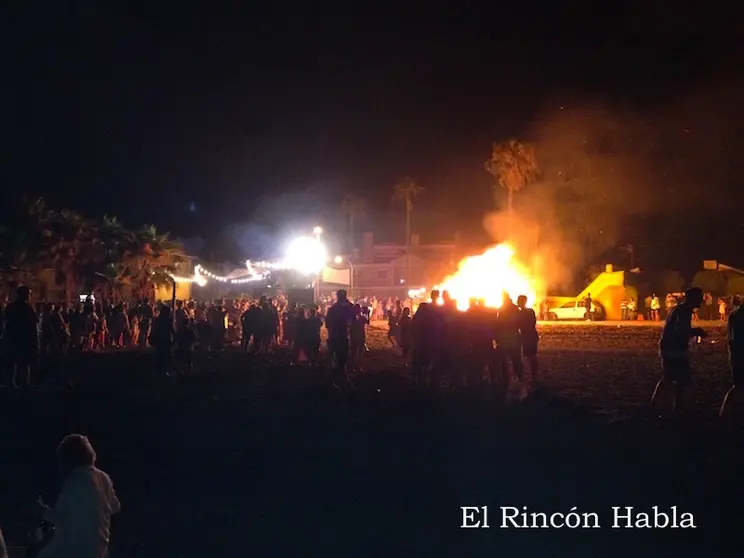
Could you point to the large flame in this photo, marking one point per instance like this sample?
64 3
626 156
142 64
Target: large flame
487 276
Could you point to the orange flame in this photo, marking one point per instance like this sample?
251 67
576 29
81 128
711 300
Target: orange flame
487 276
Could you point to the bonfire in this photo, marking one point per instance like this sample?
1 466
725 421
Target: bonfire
488 276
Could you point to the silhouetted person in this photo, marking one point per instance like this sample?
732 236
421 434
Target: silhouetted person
427 328
338 322
314 323
674 344
145 321
406 336
162 337
588 307
218 319
530 339
736 353
185 342
509 345
358 336
22 338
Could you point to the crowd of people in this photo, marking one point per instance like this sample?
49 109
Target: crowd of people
435 339
437 342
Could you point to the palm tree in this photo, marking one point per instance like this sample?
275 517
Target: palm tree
25 239
514 165
18 260
156 256
353 207
405 191
71 250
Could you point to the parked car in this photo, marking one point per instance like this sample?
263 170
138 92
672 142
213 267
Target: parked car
574 310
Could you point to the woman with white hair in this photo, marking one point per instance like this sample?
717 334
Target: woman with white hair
82 514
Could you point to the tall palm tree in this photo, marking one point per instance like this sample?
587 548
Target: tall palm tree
514 165
353 207
405 192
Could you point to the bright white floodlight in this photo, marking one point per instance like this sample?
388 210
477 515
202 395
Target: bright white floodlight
338 260
306 255
317 231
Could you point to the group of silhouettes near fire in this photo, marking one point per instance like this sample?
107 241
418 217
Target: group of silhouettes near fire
440 342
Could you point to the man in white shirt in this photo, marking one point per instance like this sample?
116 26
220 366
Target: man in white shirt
82 514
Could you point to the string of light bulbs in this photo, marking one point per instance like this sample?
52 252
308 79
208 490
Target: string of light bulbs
306 255
205 273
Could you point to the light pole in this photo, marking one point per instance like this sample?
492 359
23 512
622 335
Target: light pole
317 231
341 259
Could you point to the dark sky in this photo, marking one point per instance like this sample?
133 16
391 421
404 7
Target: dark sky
139 111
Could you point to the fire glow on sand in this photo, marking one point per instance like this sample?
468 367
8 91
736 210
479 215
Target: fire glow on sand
488 276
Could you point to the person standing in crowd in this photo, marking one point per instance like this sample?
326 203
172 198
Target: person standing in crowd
624 309
632 309
82 514
530 339
358 337
145 314
247 320
314 323
218 321
722 309
406 339
338 322
185 342
181 312
655 307
708 308
509 346
162 337
427 329
300 336
674 345
394 315
736 353
22 336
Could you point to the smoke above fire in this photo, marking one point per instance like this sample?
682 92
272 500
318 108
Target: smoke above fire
603 164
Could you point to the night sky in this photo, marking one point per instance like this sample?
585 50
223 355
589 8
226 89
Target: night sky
152 113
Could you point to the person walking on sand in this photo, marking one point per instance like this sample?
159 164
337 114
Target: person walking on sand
674 345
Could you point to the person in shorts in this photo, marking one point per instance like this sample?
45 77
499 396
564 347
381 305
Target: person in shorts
674 345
